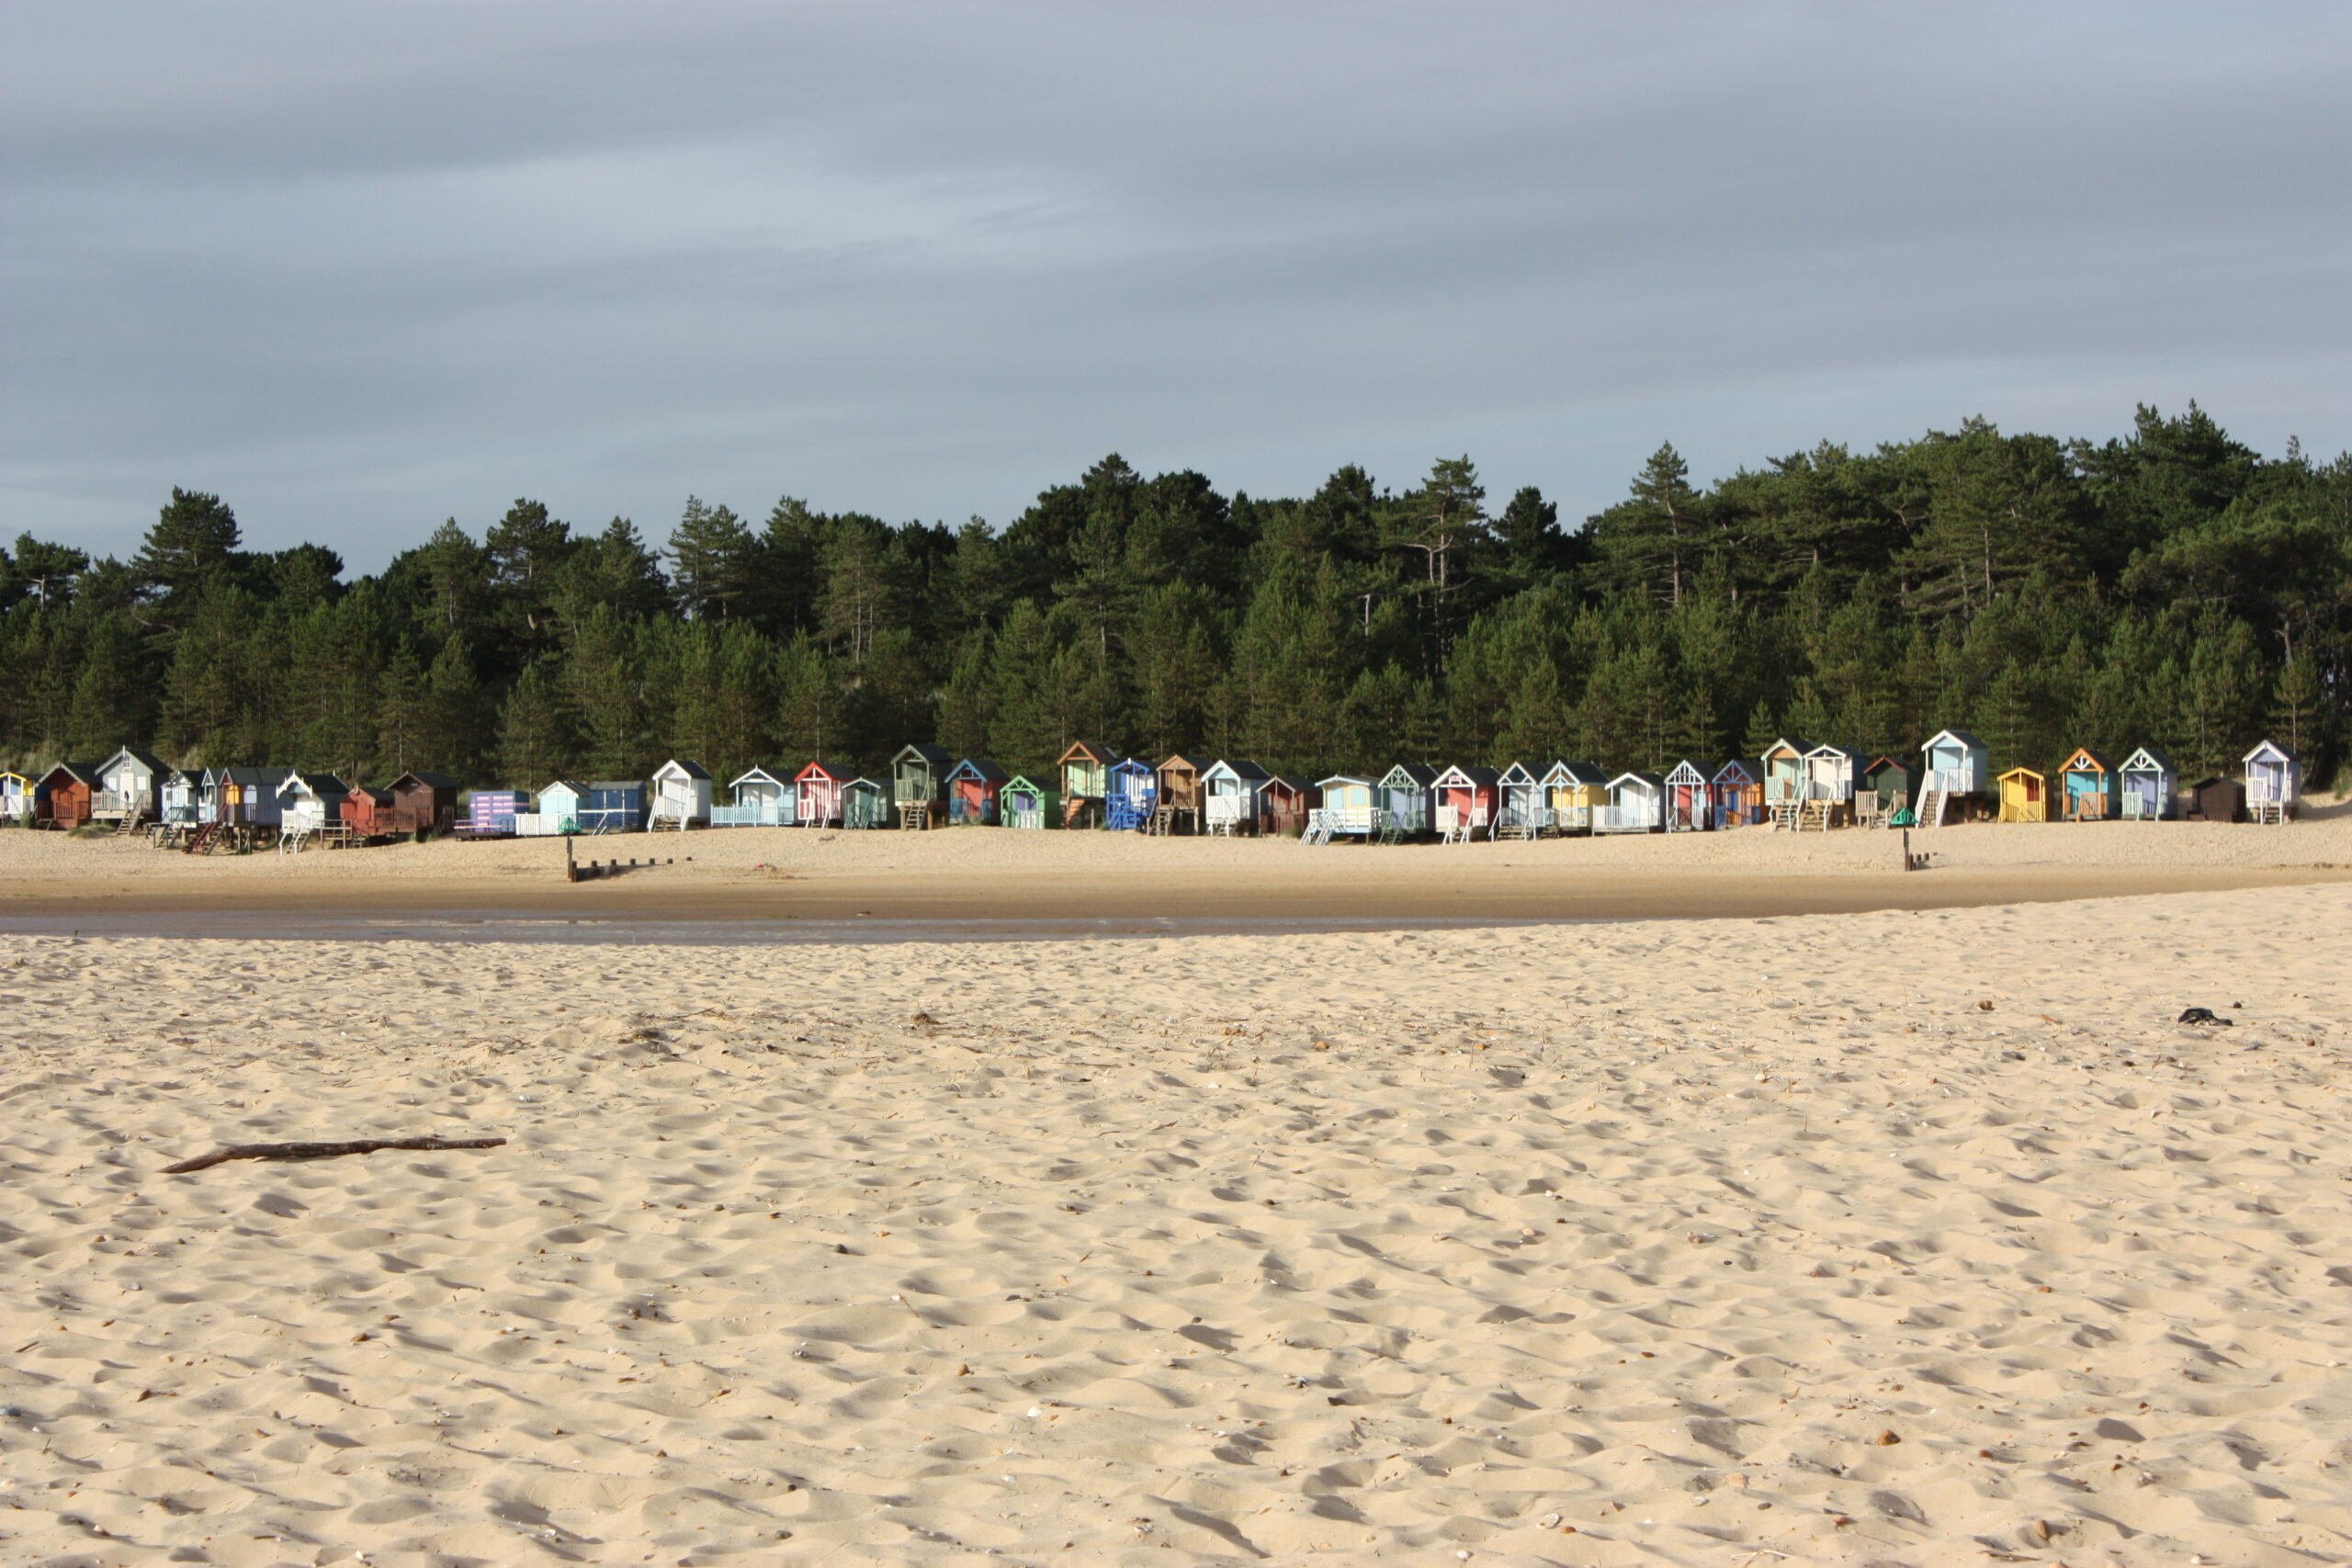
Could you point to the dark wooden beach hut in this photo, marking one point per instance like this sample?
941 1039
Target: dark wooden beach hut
422 803
63 796
2216 799
1888 788
1179 781
1086 782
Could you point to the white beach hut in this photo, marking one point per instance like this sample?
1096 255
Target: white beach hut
1959 767
680 795
2274 783
1234 796
1636 805
765 797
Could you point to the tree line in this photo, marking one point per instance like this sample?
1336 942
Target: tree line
2172 588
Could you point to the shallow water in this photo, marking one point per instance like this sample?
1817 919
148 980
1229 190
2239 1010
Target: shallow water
489 925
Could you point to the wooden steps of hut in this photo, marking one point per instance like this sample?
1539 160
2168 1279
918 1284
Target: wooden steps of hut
915 816
1931 807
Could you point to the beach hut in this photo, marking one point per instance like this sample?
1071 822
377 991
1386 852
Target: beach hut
240 797
423 803
764 797
1086 782
308 803
558 813
2274 783
2086 788
2150 786
1408 794
1349 808
1287 803
1134 796
1230 797
175 793
1959 769
1831 774
361 808
866 803
678 793
1521 810
493 813
973 787
1889 785
1636 805
613 805
63 796
127 784
1738 790
1179 780
1784 777
1464 802
1690 805
16 797
1022 803
2216 799
2025 796
919 784
1572 793
820 793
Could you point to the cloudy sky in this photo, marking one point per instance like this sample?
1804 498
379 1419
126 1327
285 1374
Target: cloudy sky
359 268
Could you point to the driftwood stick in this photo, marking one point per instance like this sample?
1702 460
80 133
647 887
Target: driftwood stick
322 1151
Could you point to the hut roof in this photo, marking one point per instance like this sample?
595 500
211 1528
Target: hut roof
1131 765
618 783
2268 752
443 781
244 776
1957 737
381 796
1185 759
1699 773
1290 782
1520 773
1831 748
923 752
1794 745
574 785
1476 778
981 769
317 784
1653 783
1880 764
781 774
1405 774
147 760
1018 782
678 769
1342 779
2025 773
864 784
2085 760
2148 759
821 770
1247 773
1749 768
80 773
1582 773
1091 750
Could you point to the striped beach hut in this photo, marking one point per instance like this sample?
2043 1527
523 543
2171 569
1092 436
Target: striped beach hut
820 793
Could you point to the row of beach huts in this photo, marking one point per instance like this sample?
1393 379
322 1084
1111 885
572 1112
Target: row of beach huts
1795 785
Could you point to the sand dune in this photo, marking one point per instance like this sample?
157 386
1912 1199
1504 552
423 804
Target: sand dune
1707 1243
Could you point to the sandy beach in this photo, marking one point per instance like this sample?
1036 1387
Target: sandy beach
1909 1237
986 873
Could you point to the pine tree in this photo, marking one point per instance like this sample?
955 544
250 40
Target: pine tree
451 728
534 745
401 714
808 725
193 538
710 551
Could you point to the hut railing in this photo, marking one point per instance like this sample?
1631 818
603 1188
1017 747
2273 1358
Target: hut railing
756 814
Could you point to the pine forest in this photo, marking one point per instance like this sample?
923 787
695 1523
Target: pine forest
2173 589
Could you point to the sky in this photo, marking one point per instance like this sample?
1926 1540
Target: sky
357 269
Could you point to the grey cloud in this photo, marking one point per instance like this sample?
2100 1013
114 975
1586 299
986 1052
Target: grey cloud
360 271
